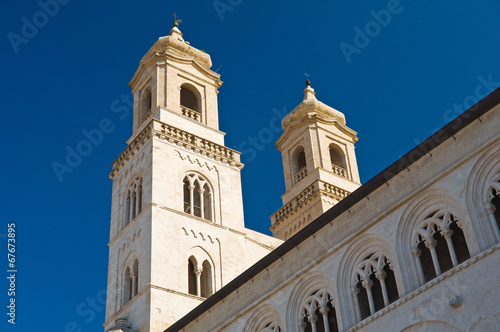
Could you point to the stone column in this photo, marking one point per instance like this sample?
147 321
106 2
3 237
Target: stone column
324 312
197 272
447 233
202 203
490 208
354 293
191 198
381 277
133 276
431 245
367 284
416 255
313 319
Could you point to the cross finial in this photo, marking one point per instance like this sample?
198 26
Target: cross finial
176 20
308 83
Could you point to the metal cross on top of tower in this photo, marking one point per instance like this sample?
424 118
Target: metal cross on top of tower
176 20
308 83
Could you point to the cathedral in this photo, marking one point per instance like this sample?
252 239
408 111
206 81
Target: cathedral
416 248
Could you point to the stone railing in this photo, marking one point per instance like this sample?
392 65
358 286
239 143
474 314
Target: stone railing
337 192
304 195
148 114
300 175
337 170
196 143
190 113
294 203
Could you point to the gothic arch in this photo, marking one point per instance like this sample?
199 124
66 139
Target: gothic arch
203 263
198 196
369 252
133 199
483 178
266 318
312 291
129 278
428 218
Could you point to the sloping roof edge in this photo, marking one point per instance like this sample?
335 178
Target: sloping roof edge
448 131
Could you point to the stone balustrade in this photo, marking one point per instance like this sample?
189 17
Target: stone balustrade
300 175
304 195
337 170
191 114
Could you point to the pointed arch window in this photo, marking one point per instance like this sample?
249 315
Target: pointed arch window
318 313
133 200
192 284
206 280
200 278
197 196
440 244
374 285
337 161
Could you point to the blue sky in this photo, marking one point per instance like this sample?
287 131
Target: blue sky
398 70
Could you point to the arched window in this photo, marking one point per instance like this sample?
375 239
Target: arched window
441 244
494 207
133 200
130 282
197 196
206 279
190 104
374 285
338 164
318 313
300 164
127 286
265 318
271 327
145 103
192 284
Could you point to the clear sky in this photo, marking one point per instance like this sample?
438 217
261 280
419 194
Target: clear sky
398 70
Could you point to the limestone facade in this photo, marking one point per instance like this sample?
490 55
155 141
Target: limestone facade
417 248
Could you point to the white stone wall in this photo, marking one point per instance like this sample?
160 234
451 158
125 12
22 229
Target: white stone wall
455 175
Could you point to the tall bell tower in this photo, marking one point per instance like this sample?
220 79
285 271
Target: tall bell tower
177 232
319 163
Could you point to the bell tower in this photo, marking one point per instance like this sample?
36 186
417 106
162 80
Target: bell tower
319 163
177 232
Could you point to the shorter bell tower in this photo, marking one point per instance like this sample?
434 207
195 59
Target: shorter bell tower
319 163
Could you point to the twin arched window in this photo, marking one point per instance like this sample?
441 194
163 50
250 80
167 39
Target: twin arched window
200 279
130 282
197 196
374 285
133 200
318 313
440 245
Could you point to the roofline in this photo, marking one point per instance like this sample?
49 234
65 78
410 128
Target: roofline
448 131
